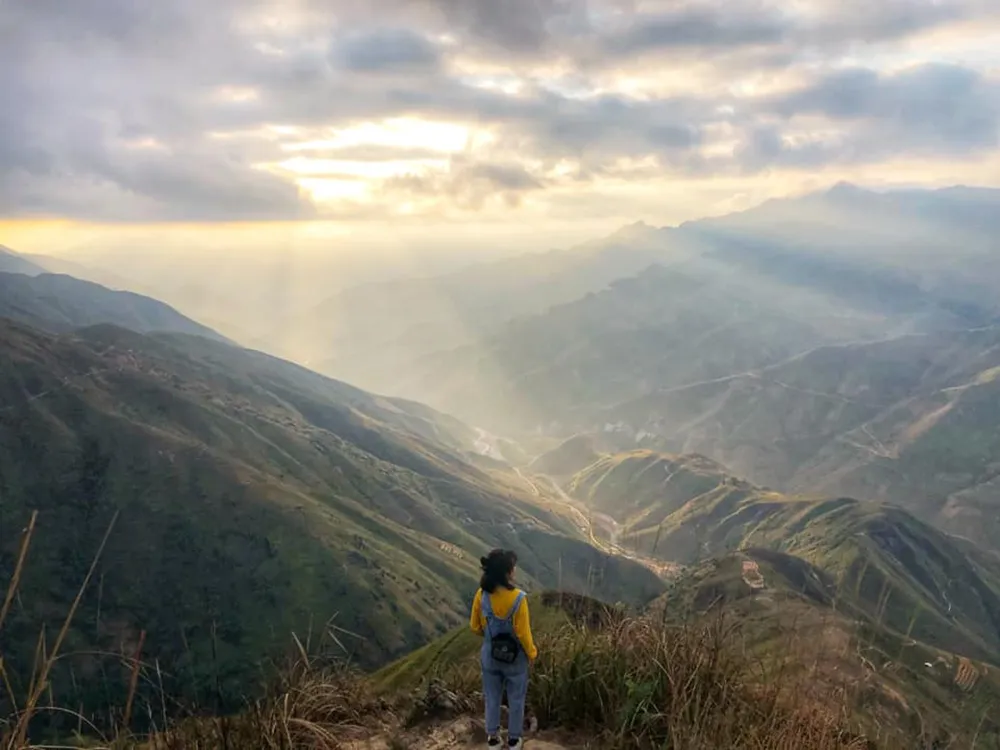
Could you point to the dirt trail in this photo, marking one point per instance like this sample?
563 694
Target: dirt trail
457 735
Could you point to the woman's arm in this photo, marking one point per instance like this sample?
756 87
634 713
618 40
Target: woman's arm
476 620
522 628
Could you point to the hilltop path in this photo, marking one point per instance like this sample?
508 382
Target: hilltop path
457 735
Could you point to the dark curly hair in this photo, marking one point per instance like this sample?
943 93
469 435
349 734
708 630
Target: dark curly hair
497 567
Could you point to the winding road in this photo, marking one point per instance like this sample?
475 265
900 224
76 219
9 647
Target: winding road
486 444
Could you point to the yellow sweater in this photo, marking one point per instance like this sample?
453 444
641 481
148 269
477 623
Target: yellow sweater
502 600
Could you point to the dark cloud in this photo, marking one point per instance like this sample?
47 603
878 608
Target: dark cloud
745 30
929 108
387 50
766 147
468 184
854 21
521 26
697 27
105 116
501 176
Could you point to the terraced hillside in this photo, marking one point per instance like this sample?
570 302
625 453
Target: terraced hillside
900 572
910 420
251 499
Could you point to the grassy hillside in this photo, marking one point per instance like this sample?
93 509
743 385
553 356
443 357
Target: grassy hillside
550 611
809 630
639 489
852 602
899 571
253 499
59 303
567 458
909 420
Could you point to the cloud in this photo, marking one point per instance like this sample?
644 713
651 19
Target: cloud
387 50
697 28
181 109
519 26
469 185
932 108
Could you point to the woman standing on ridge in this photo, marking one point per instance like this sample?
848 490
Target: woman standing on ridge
500 614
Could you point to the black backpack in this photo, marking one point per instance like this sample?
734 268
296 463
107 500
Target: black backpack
504 646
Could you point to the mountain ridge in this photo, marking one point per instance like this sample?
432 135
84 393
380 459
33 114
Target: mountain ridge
900 571
60 303
895 420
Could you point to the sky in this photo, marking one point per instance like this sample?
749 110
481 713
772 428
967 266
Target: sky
255 124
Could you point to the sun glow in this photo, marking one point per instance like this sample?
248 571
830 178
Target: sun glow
398 132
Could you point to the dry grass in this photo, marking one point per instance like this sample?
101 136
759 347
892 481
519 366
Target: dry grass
308 709
626 682
640 683
14 728
308 706
633 682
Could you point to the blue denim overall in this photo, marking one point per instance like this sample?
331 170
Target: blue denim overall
498 677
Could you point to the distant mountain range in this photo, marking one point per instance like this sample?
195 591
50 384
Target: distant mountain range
727 296
912 420
366 333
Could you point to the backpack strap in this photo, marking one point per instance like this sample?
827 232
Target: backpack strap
513 610
486 605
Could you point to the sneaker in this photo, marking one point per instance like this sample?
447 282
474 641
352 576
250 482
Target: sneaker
493 743
517 744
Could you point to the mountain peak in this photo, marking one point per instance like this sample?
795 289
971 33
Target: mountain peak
844 189
635 230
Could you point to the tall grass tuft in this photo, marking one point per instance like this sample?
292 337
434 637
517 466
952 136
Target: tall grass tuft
307 709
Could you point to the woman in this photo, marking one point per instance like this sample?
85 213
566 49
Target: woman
500 614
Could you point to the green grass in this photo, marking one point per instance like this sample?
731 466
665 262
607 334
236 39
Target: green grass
549 613
898 570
